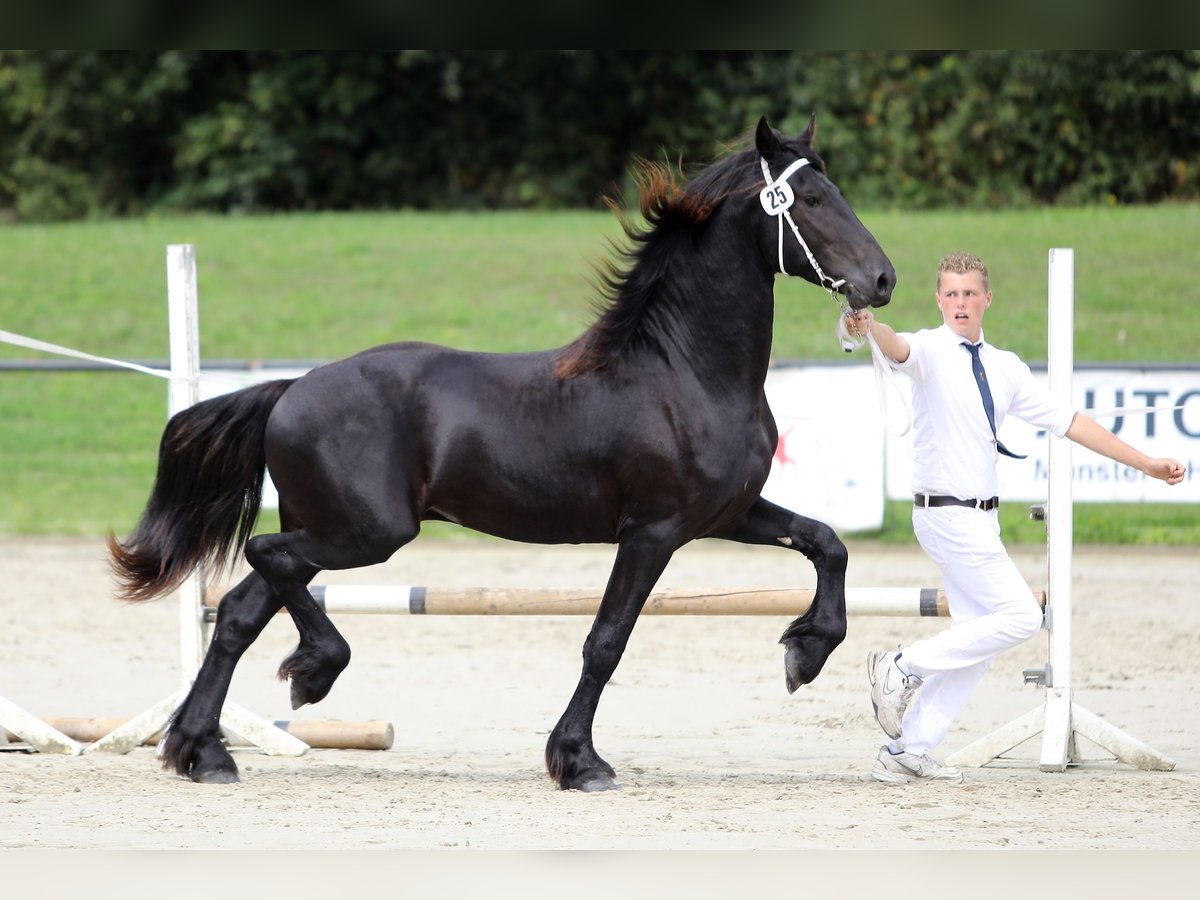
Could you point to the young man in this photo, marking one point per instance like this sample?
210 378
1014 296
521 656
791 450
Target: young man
962 389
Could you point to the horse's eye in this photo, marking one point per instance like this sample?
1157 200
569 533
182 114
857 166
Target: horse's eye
811 202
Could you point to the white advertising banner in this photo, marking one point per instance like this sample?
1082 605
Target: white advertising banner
829 462
1171 428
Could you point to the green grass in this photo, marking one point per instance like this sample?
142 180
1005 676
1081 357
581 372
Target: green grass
307 286
1145 524
77 449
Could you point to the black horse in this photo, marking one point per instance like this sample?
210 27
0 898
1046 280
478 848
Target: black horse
648 431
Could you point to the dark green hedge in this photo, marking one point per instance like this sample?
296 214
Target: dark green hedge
103 133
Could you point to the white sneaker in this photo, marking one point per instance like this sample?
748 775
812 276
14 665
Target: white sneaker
904 768
891 690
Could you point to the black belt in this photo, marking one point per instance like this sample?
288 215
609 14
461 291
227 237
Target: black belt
924 500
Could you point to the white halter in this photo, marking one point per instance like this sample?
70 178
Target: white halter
777 199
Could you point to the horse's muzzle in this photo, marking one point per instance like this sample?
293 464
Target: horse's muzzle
878 293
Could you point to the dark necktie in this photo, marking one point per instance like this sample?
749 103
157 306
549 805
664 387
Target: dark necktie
985 392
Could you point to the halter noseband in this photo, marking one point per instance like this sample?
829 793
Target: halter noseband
777 199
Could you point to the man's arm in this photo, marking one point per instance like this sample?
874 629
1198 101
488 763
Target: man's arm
893 346
1087 432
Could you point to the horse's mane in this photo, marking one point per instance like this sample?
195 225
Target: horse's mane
627 311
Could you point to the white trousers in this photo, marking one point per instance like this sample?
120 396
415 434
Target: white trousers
991 609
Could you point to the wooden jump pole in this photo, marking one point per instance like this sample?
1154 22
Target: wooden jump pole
374 735
404 600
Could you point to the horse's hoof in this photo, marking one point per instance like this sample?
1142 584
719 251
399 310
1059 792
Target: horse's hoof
594 783
310 689
215 776
793 667
298 698
313 671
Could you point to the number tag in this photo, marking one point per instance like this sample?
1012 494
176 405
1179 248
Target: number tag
776 197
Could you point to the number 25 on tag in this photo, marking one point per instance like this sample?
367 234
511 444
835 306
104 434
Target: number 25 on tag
777 197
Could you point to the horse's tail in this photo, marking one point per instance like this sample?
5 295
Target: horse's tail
206 495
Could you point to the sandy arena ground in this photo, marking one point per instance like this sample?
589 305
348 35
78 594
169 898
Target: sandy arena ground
710 749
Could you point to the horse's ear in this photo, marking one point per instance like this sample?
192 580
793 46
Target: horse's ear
766 139
810 132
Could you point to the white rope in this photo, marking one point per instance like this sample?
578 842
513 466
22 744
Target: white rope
33 344
885 376
19 340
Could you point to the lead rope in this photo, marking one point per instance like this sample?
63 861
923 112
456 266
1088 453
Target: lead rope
885 378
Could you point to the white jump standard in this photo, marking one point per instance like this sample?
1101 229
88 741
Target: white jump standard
1059 720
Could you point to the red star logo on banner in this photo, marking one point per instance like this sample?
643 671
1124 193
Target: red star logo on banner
782 457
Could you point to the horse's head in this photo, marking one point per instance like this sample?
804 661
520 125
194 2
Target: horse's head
803 208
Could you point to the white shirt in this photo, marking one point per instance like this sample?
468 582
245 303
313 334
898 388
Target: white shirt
954 452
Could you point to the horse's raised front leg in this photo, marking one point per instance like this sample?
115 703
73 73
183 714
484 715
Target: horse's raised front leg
816 634
571 758
192 746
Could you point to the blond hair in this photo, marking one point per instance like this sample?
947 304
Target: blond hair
960 264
